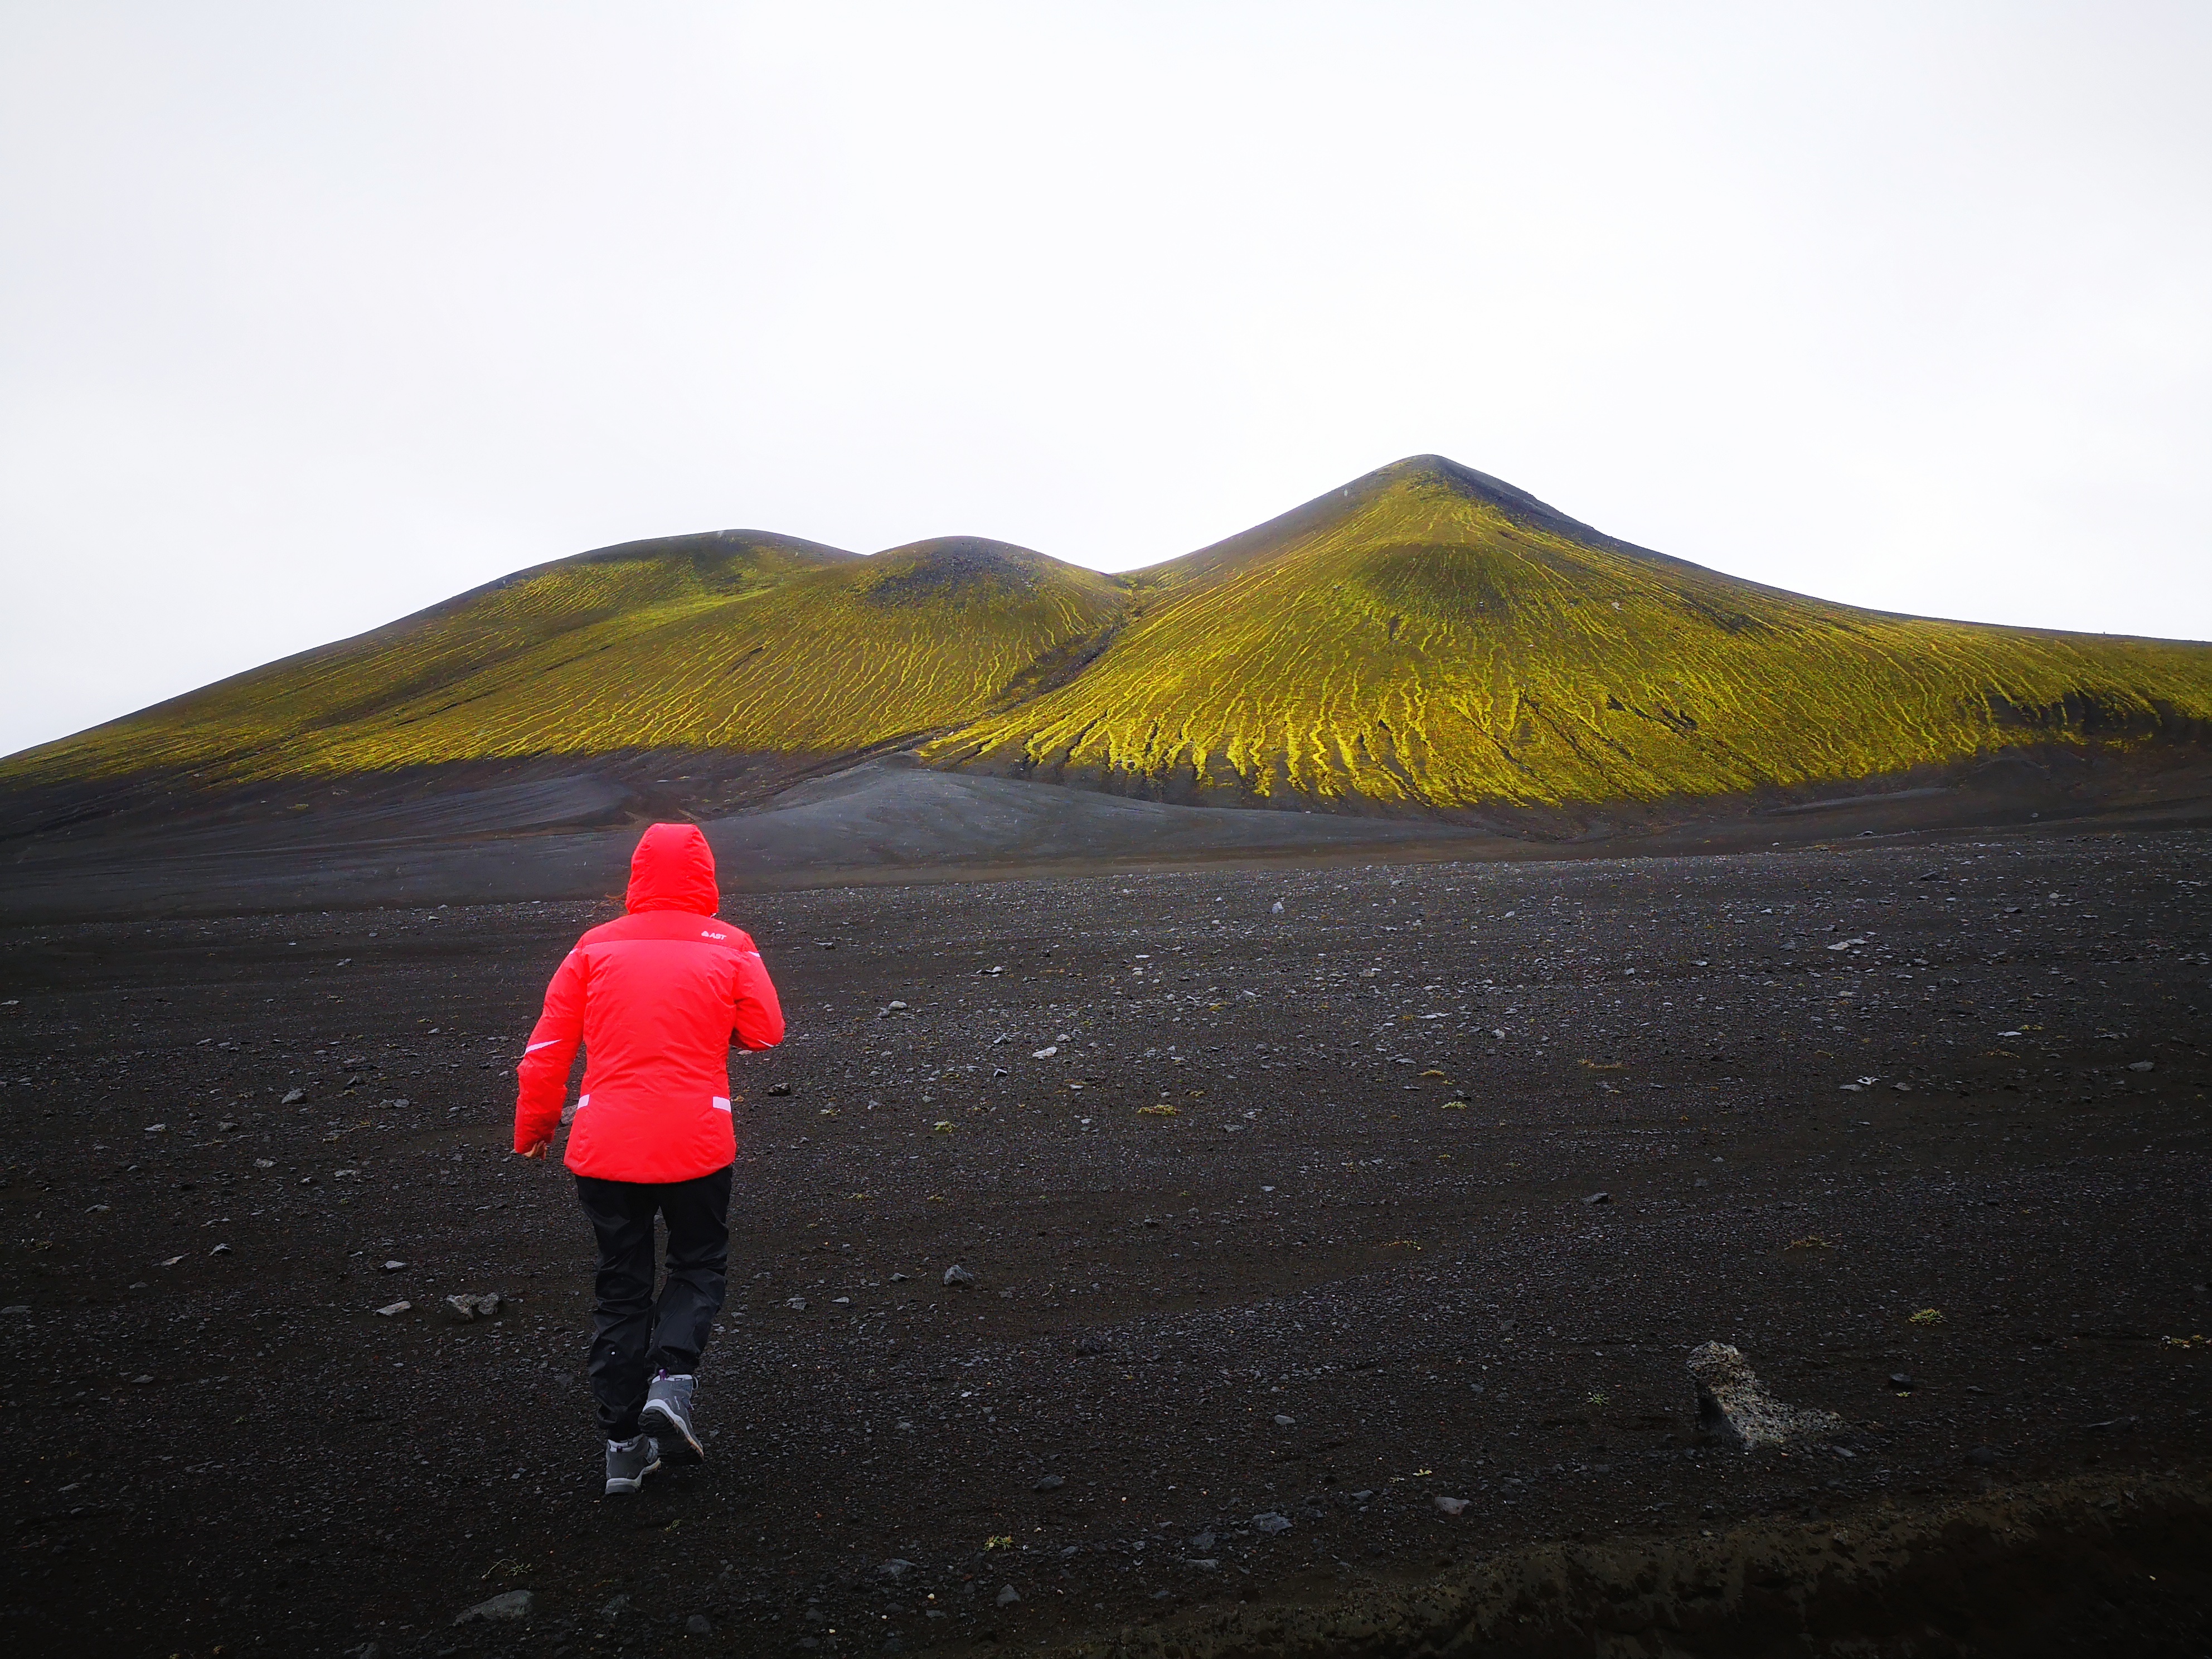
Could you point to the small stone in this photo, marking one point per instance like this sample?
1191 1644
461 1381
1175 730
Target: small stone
1045 1053
1050 1483
796 1304
613 1610
293 1097
1984 1457
1451 1505
2143 1065
1901 1381
1283 1422
463 1308
171 1262
1734 1408
515 1604
898 1278
219 1249
157 1128
265 1163
395 1267
895 1569
17 1309
141 1381
1093 1343
696 1625
1270 1522
778 1088
1276 908
224 1127
392 1308
1203 1544
958 1277
1008 1595
1599 1197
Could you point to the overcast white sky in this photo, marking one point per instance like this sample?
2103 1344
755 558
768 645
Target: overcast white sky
311 315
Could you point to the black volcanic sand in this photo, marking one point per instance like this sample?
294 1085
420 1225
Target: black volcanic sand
563 826
1323 1288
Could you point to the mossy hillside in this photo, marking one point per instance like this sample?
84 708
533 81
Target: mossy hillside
764 644
1428 638
1424 638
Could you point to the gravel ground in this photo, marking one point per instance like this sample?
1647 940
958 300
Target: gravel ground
1295 1201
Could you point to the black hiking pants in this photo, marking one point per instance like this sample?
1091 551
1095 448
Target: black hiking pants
633 1336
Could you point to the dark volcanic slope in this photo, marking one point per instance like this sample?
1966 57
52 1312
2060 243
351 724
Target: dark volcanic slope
1354 1270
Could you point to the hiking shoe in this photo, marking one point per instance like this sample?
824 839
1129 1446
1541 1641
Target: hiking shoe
628 1461
668 1413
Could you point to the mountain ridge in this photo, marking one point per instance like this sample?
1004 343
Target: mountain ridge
1425 639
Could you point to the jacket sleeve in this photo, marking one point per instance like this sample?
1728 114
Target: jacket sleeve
542 1078
757 1020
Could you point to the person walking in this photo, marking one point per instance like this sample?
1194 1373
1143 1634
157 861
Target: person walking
658 997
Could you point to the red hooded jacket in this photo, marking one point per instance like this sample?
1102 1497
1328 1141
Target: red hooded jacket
658 998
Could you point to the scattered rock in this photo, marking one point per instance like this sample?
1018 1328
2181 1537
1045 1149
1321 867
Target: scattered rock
157 1128
219 1249
696 1625
17 1309
1045 1053
513 1604
1203 1544
1091 1345
1451 1505
796 1304
778 1088
293 1097
466 1307
1901 1381
1050 1483
392 1308
895 1569
1283 1422
1008 1595
1270 1522
614 1609
1599 1197
898 1278
958 1277
395 1267
1734 1408
2143 1065
1985 1457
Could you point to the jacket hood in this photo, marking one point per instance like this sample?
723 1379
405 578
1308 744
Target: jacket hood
673 869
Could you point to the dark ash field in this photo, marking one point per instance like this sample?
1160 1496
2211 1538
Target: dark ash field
1281 1193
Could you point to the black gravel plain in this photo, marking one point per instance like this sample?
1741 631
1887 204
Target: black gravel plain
1295 1200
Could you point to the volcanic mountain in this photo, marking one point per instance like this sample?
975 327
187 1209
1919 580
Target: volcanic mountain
1424 642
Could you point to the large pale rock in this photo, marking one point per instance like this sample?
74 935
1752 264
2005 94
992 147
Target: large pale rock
1734 1408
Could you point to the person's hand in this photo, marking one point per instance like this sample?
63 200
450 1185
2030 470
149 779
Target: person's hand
540 1149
